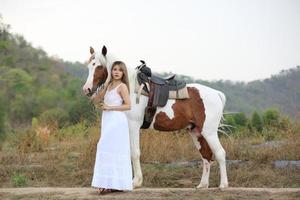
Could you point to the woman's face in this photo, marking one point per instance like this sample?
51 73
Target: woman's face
117 72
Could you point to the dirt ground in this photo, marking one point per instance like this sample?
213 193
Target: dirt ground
152 193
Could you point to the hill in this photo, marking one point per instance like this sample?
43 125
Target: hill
280 91
35 86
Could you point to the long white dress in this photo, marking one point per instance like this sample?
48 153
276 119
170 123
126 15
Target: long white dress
113 164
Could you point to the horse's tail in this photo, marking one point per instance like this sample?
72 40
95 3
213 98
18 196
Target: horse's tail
223 98
223 127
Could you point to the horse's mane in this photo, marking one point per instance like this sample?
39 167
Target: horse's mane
108 60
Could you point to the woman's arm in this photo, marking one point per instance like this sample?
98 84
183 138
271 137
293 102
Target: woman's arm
124 93
96 98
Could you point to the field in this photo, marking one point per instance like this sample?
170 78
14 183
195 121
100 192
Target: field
60 163
52 157
152 193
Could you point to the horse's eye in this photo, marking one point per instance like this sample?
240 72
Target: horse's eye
93 64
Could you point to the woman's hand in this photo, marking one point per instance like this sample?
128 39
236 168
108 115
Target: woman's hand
103 106
95 98
92 98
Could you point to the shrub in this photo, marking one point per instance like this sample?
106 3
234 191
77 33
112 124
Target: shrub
19 180
34 122
2 119
270 134
256 122
229 120
240 119
83 110
271 117
54 116
285 123
29 142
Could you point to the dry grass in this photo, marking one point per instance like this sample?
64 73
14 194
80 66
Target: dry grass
248 174
65 157
256 146
167 146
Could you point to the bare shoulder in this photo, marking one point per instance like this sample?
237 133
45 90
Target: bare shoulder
123 87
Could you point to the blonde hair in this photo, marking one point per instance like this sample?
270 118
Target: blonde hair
124 78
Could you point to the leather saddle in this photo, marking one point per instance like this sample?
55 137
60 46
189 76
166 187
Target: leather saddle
158 90
159 87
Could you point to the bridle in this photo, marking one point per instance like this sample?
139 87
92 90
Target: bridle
100 86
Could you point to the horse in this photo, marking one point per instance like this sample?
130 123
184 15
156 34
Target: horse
201 114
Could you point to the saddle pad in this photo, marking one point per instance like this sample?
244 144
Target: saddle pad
182 93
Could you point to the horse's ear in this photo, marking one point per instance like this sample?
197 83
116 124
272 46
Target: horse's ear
143 62
104 50
92 50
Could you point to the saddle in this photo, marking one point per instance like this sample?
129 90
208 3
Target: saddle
158 89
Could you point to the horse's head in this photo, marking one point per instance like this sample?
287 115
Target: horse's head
98 71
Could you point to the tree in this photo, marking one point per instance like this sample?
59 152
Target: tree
240 119
2 118
271 117
82 109
4 28
256 122
17 81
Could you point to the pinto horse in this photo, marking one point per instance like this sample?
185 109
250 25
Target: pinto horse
201 114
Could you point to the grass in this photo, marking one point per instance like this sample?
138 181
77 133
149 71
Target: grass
43 156
249 174
19 180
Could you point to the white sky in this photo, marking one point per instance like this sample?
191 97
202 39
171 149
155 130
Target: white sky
240 40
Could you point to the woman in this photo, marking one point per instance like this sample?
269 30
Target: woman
112 171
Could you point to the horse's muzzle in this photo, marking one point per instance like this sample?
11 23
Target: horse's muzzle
90 93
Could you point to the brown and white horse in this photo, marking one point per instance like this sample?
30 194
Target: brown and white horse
202 113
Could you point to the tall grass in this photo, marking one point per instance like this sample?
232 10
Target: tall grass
167 146
48 156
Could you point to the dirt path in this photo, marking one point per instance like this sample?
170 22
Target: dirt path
151 193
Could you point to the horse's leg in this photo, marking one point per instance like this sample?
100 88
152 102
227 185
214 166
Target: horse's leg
134 129
220 154
204 183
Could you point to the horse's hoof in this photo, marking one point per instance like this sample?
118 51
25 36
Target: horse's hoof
223 186
137 183
202 186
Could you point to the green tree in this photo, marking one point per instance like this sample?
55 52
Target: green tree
81 110
229 120
240 119
4 29
2 118
256 122
271 117
22 109
46 98
17 81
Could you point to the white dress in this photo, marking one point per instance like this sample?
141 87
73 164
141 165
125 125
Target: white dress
113 164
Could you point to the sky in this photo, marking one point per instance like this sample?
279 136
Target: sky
238 40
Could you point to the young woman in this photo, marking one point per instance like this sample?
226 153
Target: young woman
112 171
